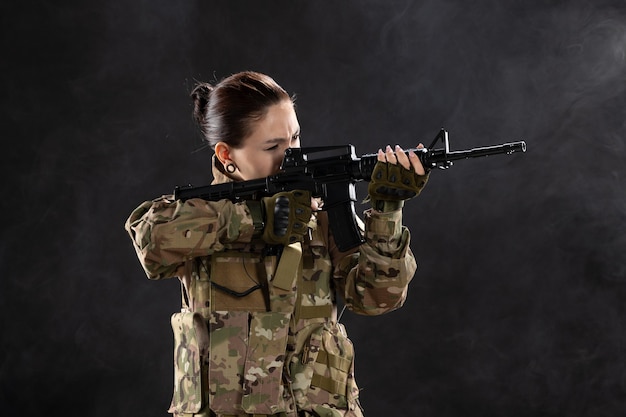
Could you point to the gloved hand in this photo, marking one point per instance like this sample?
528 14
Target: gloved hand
393 182
287 215
397 176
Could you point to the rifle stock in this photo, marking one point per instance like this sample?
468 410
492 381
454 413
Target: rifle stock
331 173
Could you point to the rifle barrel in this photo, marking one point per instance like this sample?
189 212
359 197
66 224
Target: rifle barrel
438 158
505 148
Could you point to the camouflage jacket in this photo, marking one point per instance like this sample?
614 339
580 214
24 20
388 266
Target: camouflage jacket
246 344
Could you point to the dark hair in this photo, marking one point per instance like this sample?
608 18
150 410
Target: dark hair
227 111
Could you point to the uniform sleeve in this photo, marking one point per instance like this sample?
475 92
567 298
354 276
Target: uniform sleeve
166 233
374 280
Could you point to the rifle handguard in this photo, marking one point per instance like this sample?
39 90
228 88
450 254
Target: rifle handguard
393 182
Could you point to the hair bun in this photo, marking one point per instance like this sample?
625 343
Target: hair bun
200 96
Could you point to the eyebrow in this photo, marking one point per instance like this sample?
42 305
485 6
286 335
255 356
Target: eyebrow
275 140
278 140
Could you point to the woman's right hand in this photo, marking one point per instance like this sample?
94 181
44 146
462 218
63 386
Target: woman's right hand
287 215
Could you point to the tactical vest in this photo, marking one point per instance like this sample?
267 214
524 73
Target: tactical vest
257 335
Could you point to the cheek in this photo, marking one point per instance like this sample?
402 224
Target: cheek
268 166
261 165
278 159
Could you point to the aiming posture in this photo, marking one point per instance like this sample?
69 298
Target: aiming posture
258 332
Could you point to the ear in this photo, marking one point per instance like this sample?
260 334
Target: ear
222 152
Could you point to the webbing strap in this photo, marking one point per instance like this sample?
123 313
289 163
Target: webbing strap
288 267
333 361
282 287
313 312
328 384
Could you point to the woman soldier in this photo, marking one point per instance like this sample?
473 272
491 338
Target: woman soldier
258 333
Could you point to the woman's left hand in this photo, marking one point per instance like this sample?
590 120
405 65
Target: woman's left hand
397 155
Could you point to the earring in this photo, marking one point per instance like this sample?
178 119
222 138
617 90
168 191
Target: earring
230 168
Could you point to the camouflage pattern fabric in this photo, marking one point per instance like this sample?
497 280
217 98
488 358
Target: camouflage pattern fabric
191 343
293 358
229 340
167 232
322 369
382 265
263 374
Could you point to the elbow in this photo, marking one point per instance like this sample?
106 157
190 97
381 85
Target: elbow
378 301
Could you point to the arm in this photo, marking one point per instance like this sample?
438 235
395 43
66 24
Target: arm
166 233
375 279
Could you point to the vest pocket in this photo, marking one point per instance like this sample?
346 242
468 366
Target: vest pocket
227 355
334 366
322 372
191 342
238 282
263 374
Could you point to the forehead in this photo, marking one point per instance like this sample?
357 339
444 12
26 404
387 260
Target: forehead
280 115
280 121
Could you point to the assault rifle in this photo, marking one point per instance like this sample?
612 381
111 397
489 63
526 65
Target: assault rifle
331 172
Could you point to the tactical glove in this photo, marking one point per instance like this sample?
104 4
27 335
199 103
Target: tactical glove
393 182
287 215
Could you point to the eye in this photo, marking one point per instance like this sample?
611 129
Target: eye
295 137
272 148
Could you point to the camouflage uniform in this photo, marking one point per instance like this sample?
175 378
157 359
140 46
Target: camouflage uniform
256 336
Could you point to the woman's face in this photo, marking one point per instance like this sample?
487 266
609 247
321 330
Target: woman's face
263 150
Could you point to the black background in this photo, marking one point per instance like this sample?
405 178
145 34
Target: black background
518 307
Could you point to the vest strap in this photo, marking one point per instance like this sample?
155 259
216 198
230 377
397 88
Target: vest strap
313 312
333 361
328 384
288 267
